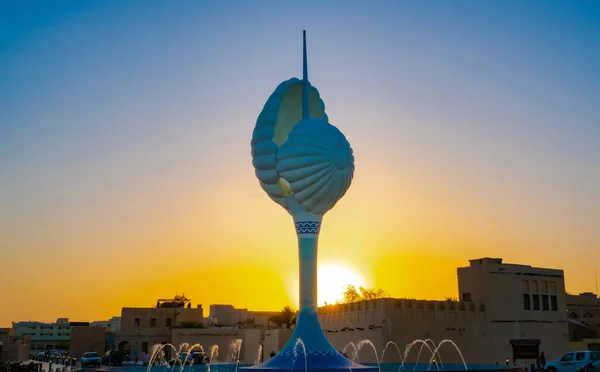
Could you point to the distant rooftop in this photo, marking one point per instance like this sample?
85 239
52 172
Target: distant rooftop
493 261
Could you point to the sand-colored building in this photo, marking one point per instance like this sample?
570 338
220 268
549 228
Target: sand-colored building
584 316
142 328
11 349
499 302
228 315
43 335
87 338
113 325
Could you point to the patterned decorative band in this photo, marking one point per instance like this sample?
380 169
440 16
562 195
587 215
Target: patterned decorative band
308 227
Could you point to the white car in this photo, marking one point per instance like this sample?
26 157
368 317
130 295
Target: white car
90 359
572 361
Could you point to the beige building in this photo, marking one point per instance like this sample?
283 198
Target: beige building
12 350
500 302
43 335
84 339
113 325
227 315
141 328
584 316
262 318
232 344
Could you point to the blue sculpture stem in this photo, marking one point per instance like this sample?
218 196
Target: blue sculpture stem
320 355
307 254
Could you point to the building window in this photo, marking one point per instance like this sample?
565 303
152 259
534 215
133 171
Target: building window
168 322
536 302
466 296
136 322
544 285
525 286
152 322
553 287
526 302
554 303
545 303
144 347
534 286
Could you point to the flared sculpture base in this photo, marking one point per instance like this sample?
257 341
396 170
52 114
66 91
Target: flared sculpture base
320 354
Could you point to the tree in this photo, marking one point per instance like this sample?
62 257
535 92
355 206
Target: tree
287 315
351 294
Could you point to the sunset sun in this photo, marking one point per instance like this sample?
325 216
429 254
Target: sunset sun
332 278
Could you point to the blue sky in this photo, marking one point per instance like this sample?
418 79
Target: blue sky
112 111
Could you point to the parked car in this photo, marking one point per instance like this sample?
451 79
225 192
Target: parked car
573 361
90 359
590 367
113 358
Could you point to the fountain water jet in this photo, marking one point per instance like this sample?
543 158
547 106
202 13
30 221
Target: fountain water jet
355 356
187 355
443 342
426 344
434 346
409 347
368 342
259 354
177 358
392 343
157 350
299 342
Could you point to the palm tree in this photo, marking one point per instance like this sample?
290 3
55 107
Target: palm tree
287 315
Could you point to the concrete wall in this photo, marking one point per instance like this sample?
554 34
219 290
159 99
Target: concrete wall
252 340
225 339
467 324
274 340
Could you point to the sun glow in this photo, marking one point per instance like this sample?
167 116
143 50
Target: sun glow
332 278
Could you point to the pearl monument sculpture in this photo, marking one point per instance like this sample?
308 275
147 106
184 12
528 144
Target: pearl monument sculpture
306 165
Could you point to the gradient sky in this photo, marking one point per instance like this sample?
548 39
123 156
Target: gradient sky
125 169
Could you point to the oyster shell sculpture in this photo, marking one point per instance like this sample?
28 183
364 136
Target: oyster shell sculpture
303 163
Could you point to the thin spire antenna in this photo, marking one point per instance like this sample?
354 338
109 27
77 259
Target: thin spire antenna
305 83
596 278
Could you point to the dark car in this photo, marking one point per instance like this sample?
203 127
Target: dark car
112 358
590 367
90 359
